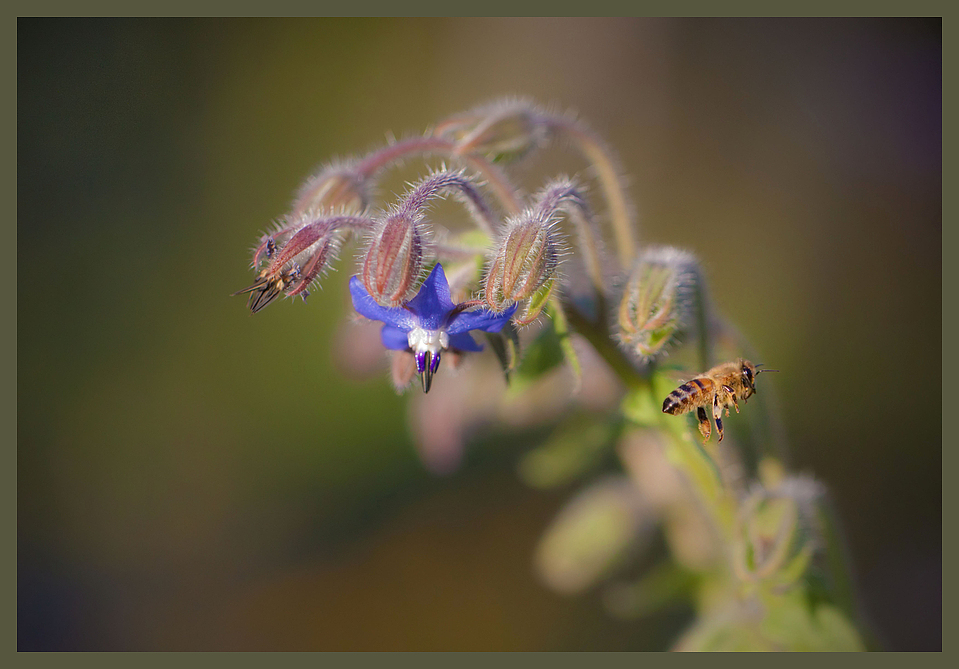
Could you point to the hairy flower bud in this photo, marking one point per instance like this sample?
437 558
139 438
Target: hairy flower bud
334 188
400 244
394 262
656 307
524 263
503 130
525 260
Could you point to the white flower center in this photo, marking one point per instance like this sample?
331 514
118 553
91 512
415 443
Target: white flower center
434 341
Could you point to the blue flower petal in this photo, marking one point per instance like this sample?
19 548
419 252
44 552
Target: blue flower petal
480 319
464 342
432 303
364 304
394 338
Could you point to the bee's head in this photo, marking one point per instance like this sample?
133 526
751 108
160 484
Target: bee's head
749 372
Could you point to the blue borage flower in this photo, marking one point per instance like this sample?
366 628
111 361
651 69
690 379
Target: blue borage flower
429 323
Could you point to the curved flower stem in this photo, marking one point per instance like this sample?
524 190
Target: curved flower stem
414 203
599 156
563 195
498 182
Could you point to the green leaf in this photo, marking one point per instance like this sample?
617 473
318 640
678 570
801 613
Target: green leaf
639 406
663 585
787 624
505 345
541 355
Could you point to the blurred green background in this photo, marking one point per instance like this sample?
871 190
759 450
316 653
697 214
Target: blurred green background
191 477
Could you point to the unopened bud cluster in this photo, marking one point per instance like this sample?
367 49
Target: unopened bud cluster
305 242
656 308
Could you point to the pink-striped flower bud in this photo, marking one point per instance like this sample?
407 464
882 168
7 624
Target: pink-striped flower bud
657 304
504 130
334 188
524 265
394 262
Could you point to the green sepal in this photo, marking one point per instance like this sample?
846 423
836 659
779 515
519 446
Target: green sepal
537 301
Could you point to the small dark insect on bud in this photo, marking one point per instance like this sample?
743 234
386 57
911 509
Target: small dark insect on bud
335 188
656 308
503 131
394 260
308 246
268 287
524 265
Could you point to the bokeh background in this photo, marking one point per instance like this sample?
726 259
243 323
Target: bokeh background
191 477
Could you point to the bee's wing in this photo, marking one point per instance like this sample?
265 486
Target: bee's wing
680 376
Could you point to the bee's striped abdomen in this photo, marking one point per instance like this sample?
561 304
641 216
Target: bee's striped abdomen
687 397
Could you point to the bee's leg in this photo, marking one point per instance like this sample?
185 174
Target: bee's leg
704 426
718 415
732 394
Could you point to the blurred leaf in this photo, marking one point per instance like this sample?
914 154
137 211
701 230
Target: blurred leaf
543 354
796 568
639 407
574 448
593 535
792 625
663 585
777 623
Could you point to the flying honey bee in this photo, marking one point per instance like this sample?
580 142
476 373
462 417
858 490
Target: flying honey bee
721 386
